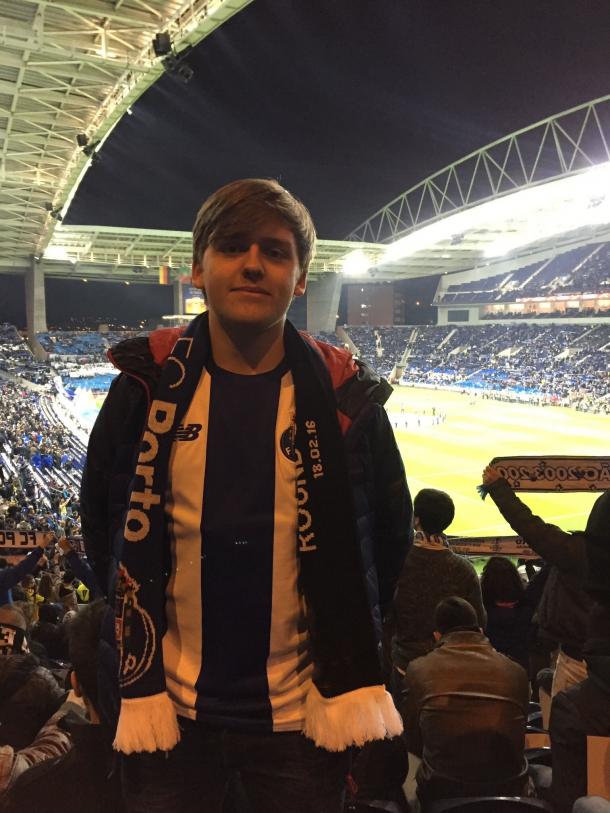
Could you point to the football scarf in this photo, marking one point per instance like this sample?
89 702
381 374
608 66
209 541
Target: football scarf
556 473
348 704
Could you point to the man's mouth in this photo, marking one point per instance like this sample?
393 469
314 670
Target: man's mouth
251 289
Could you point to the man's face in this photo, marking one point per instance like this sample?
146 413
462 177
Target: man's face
249 278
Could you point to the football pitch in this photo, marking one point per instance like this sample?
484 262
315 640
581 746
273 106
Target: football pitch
451 455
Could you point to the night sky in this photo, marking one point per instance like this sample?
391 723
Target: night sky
347 103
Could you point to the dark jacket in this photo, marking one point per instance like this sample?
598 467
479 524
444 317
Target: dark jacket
465 716
84 778
509 626
429 576
381 496
29 696
564 606
579 712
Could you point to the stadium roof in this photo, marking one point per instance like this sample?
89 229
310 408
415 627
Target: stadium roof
545 187
70 67
101 251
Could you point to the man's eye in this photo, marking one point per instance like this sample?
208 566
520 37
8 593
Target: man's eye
233 248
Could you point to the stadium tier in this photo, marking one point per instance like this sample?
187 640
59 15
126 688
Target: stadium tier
582 270
558 364
567 364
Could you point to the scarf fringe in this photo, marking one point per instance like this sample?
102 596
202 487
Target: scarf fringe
147 724
353 718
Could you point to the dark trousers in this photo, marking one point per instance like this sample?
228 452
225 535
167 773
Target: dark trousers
279 773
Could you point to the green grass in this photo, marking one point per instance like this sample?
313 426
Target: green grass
452 455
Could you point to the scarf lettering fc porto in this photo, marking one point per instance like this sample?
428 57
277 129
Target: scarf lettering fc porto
342 635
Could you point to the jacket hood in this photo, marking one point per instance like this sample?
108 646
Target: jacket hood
144 356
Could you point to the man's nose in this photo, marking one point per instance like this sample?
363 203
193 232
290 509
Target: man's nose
253 266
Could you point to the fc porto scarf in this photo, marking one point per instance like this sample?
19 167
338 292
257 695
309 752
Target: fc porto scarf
347 704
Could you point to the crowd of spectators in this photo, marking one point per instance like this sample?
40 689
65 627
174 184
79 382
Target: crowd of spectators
16 359
568 365
462 667
40 464
85 345
582 270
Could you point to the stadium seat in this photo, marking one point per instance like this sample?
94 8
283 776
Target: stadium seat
539 756
372 806
489 804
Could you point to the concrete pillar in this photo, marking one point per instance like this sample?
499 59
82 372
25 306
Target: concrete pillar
323 295
35 306
178 298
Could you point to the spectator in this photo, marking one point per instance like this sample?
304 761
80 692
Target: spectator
10 576
510 607
431 572
50 786
13 629
292 631
50 742
564 606
466 712
29 696
580 712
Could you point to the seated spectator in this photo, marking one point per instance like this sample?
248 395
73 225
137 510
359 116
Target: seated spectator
510 607
13 628
579 712
466 712
85 777
431 572
564 606
51 633
50 742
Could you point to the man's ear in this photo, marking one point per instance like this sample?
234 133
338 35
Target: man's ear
197 275
75 684
301 286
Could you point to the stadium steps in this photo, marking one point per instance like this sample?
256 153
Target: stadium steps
535 274
447 338
585 334
412 341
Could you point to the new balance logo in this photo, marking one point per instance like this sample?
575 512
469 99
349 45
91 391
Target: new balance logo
190 431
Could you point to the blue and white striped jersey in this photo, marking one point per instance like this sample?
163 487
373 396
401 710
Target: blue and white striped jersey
236 648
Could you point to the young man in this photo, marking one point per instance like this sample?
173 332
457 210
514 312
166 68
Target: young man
268 495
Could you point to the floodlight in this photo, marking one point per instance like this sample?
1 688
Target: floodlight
89 149
355 263
162 44
175 65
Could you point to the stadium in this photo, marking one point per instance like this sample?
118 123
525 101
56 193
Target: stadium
507 250
522 303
